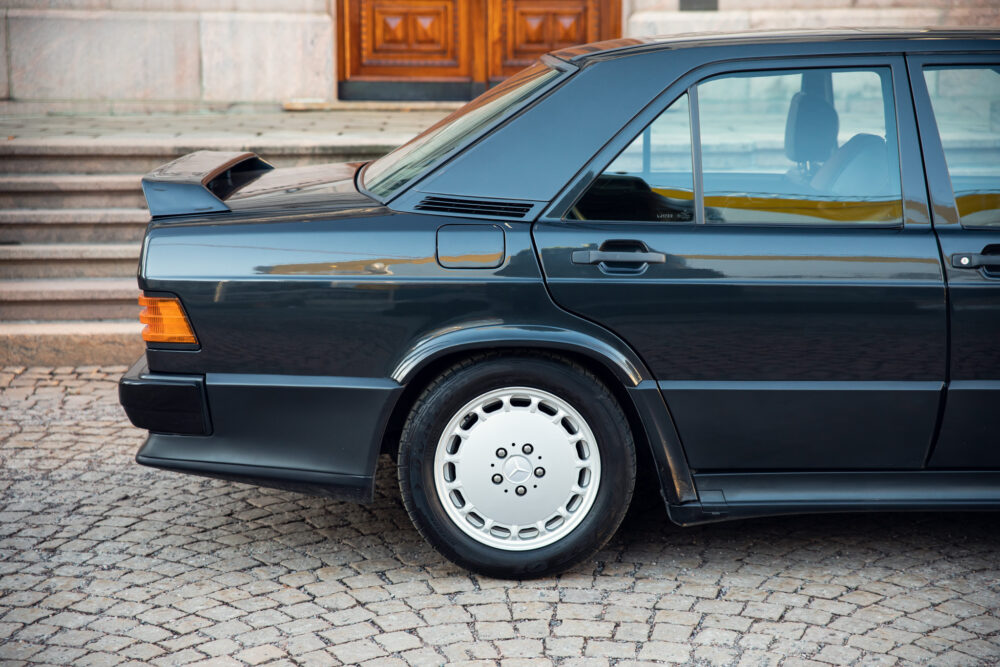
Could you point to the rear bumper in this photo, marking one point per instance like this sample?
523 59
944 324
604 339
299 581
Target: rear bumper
315 434
164 403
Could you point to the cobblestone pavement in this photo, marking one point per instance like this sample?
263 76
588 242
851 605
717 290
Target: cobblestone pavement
103 562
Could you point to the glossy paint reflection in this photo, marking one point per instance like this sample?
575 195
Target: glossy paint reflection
318 297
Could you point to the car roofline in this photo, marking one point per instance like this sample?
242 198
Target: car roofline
631 45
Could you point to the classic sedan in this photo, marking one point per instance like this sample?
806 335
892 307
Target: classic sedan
760 270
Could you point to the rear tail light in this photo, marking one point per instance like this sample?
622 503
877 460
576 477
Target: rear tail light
165 320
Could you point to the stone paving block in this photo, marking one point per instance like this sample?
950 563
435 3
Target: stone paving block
564 646
611 649
495 630
716 655
755 640
519 648
357 651
446 614
725 622
577 610
575 628
490 612
445 634
811 616
531 610
664 652
423 657
838 655
632 632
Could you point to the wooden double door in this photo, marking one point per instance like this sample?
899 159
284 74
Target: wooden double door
455 49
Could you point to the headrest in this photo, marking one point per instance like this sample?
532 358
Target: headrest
811 129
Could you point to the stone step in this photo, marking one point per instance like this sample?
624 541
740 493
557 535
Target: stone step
68 260
73 225
63 299
70 343
81 156
70 191
660 22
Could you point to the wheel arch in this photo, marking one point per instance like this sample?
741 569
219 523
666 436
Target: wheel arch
617 367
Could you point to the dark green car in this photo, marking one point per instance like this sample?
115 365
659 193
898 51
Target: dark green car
761 270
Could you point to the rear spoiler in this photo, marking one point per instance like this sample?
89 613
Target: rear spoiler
200 182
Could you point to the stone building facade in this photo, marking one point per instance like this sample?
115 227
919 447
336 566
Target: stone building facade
179 55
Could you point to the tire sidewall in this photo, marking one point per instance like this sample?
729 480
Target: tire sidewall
587 396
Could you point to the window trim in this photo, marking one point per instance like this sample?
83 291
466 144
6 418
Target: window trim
913 190
943 207
697 172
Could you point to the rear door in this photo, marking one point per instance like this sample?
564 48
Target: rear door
958 111
760 236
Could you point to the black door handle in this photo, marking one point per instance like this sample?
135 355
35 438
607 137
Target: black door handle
971 260
624 257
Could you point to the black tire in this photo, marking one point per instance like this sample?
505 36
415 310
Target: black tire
568 381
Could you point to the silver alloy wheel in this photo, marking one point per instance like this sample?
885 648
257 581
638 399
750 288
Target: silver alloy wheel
517 468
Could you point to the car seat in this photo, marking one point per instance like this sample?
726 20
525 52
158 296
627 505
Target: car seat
810 134
859 168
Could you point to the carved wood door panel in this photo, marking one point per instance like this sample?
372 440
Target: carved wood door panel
522 30
454 49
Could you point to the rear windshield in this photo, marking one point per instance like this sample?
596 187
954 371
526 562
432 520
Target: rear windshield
387 175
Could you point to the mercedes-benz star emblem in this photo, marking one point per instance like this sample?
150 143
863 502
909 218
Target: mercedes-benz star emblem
517 469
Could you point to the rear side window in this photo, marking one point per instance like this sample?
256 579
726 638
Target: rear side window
804 146
966 103
649 180
808 146
388 175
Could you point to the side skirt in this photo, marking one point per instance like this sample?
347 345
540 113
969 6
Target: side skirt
725 496
352 488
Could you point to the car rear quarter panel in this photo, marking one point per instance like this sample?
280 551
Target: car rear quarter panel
309 327
331 296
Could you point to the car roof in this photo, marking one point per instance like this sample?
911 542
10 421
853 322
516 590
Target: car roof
631 45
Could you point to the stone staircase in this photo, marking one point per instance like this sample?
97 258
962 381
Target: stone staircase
69 245
72 218
660 17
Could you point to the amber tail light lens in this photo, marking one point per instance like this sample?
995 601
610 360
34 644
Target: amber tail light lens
165 321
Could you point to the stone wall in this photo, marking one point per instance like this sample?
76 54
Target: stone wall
183 55
135 55
657 17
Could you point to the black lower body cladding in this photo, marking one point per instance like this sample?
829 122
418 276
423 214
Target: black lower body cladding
315 434
164 403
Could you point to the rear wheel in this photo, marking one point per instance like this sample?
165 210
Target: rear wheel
516 466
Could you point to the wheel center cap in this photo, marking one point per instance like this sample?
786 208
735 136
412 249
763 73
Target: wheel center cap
517 469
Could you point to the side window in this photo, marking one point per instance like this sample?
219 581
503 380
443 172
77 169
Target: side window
813 146
966 103
651 179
